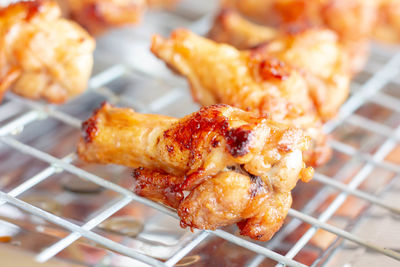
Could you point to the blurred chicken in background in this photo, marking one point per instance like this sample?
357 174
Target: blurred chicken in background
42 55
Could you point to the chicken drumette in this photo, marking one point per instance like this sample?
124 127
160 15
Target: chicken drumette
352 20
315 51
236 167
251 80
43 56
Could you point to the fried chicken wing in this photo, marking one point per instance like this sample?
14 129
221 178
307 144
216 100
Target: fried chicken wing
250 80
43 56
351 20
231 197
197 146
99 15
235 166
316 51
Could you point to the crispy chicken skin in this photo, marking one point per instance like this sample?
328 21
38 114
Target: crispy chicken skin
316 51
236 166
250 80
99 15
351 20
43 56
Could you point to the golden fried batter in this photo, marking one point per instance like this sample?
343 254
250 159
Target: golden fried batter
43 56
351 20
315 51
251 80
245 163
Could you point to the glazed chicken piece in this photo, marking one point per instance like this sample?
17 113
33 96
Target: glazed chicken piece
43 56
250 80
315 51
237 167
387 26
99 15
351 20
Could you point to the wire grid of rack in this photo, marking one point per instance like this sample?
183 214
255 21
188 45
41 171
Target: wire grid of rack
16 114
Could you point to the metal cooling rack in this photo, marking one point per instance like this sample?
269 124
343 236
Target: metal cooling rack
125 75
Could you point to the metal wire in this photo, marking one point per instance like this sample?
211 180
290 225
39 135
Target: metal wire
369 91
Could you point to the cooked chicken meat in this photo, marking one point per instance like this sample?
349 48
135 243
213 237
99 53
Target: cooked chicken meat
250 80
99 15
43 56
351 20
237 167
315 51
